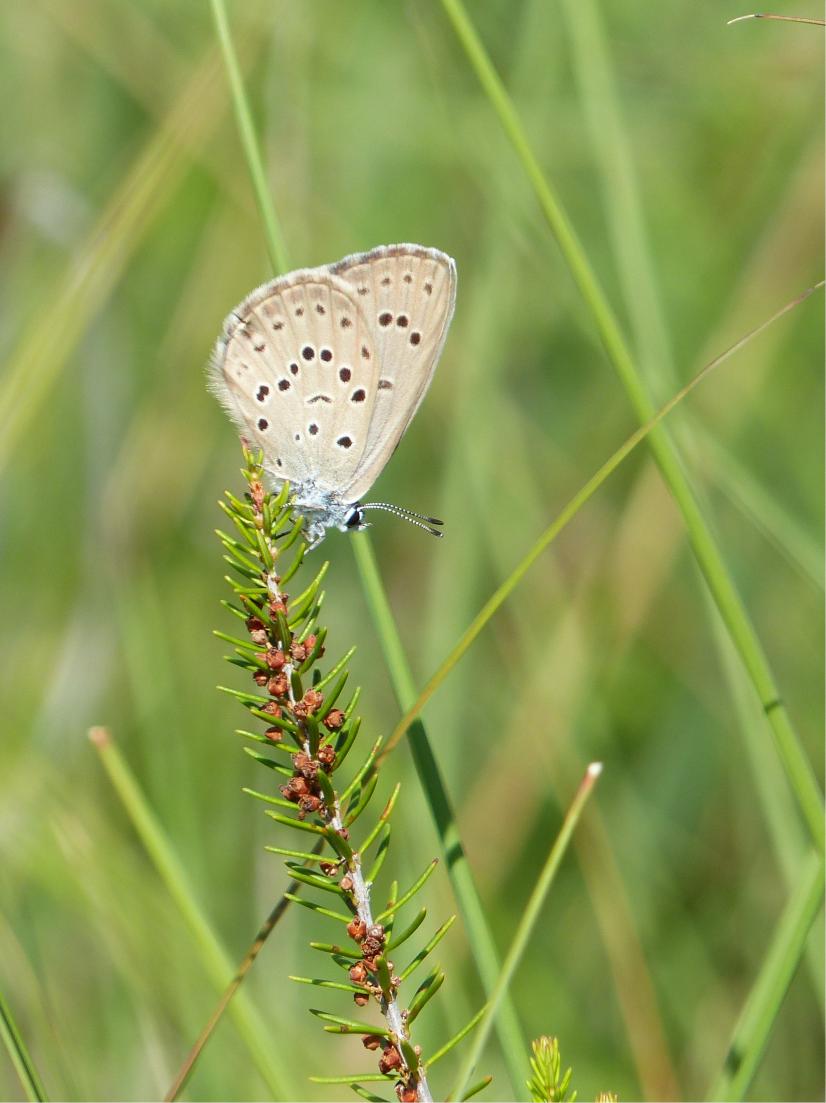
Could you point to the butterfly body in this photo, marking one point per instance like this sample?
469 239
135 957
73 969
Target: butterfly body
324 368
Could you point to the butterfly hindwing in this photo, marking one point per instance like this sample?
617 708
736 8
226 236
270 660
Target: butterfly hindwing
407 294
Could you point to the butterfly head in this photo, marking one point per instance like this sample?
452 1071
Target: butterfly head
355 522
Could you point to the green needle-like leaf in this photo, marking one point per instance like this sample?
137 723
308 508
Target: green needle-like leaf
428 949
381 854
338 985
411 892
479 1086
425 992
397 940
312 906
454 1041
350 1026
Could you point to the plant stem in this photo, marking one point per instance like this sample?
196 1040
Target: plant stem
215 959
481 942
790 750
273 235
753 1027
526 927
252 953
19 1054
563 518
479 935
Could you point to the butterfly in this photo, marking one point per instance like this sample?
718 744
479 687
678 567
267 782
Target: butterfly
324 368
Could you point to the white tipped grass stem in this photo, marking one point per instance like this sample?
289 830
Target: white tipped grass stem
526 927
778 18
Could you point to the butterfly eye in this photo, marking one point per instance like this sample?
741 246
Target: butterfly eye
355 520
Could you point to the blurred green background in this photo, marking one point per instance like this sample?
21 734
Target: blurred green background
127 231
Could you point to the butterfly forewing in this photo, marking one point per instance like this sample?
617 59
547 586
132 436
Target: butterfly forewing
407 294
298 371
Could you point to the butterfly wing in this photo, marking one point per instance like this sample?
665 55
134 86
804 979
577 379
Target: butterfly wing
297 371
407 294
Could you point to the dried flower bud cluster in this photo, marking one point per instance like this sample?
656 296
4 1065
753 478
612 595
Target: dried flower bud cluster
279 659
317 737
371 941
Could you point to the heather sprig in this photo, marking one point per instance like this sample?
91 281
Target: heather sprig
310 729
549 1084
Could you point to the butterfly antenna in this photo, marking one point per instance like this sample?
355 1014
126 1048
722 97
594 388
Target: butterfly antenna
409 515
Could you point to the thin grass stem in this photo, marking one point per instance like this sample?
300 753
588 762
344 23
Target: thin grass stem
751 1033
19 1054
792 755
252 953
526 927
250 1026
479 935
563 518
273 234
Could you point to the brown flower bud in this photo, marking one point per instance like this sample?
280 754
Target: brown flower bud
376 931
298 651
257 493
306 766
254 623
274 735
279 605
329 869
390 1059
371 1041
326 755
271 709
259 636
313 699
360 999
407 1093
333 720
357 929
275 658
309 803
370 946
278 685
346 882
358 974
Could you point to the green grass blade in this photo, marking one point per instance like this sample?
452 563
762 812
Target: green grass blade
19 1054
276 244
566 515
479 935
258 1038
795 762
43 351
762 1007
526 927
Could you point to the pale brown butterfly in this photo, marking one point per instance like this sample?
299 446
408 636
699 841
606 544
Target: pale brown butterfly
324 368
